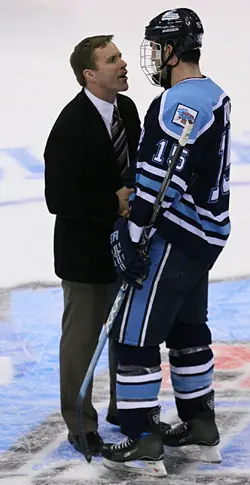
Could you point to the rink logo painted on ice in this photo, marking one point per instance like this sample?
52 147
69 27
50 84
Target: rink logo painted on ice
232 367
23 158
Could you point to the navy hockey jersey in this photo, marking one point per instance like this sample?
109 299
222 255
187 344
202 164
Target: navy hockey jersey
195 212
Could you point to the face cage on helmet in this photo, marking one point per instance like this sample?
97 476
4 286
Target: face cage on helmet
151 60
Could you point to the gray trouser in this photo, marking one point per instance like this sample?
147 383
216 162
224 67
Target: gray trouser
85 311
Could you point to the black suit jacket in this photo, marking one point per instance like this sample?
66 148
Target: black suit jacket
81 179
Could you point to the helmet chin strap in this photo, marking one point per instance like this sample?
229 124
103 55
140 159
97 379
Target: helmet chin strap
165 74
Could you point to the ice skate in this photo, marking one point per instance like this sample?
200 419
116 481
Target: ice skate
143 455
201 431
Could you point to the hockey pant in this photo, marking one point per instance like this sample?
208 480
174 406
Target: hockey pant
171 308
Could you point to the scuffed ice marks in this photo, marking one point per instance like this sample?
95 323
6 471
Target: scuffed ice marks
95 475
61 465
33 436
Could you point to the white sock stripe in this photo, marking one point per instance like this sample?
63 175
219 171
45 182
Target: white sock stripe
196 369
193 395
137 404
155 376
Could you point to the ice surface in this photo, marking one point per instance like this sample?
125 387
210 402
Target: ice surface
37 38
33 444
6 370
36 82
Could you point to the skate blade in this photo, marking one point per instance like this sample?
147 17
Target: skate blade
142 467
210 454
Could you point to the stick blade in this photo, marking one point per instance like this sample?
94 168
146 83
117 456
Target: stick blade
83 442
84 447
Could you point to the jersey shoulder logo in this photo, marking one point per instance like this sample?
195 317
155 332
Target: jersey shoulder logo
184 113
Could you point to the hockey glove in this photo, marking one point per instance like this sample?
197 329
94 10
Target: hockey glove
127 259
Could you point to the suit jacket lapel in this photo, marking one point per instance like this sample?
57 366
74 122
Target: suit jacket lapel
95 116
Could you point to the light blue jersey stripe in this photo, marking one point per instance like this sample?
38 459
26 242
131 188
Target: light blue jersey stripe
206 225
146 182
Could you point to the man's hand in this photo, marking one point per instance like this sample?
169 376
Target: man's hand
127 258
123 195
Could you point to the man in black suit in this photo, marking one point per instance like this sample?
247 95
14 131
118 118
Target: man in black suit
88 180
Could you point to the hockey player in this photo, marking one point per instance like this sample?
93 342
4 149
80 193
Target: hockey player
190 232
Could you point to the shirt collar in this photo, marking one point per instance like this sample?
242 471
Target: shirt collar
104 107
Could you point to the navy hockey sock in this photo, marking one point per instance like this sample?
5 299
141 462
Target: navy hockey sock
192 375
137 397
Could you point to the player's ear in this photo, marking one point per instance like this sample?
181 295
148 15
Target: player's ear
168 49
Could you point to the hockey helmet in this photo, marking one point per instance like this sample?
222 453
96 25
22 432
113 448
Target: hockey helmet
180 27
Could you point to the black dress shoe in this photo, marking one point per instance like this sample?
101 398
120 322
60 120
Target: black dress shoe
95 442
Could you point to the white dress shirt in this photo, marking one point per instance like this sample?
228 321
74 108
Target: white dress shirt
104 107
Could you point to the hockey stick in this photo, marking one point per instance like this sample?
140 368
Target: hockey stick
144 241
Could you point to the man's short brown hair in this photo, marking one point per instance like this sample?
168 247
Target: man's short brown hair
83 55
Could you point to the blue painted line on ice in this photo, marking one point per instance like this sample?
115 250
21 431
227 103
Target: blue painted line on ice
35 200
235 455
240 184
32 200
